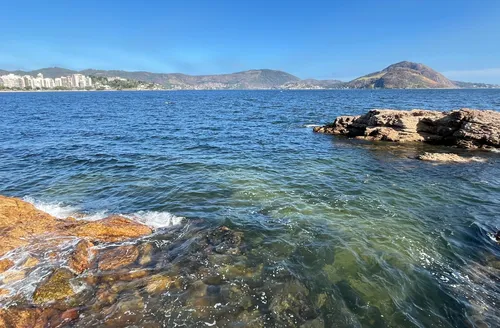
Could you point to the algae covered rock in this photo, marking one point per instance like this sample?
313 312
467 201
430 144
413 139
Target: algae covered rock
291 306
56 287
225 240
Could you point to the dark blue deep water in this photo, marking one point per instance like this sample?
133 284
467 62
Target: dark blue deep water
377 238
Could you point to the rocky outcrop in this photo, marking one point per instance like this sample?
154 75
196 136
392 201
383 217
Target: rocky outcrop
22 224
464 128
448 158
206 274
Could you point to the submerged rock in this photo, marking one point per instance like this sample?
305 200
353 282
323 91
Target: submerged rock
464 128
31 262
291 305
160 283
56 287
448 158
13 276
5 265
81 257
117 257
225 240
32 318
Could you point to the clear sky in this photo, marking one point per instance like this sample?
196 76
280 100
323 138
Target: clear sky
311 39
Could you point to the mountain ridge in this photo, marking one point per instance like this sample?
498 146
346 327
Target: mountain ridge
402 75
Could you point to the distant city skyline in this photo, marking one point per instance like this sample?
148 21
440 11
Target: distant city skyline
314 39
26 81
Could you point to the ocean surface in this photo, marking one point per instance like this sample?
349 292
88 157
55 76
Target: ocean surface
378 238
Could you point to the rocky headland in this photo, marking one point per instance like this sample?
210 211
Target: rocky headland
116 272
464 128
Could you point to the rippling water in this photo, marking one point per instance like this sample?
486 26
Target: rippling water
378 239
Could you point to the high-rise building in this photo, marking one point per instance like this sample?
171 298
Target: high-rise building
13 81
39 82
28 81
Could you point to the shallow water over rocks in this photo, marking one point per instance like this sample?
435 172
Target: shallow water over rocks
331 232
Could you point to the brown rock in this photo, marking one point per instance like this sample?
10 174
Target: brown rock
146 251
56 287
465 128
111 229
30 262
70 315
5 265
448 158
22 224
27 317
4 292
81 257
19 221
118 257
159 283
13 276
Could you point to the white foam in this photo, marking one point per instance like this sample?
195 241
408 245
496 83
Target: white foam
311 125
58 210
150 218
61 211
157 219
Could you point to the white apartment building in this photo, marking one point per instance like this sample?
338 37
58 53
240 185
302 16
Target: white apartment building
76 81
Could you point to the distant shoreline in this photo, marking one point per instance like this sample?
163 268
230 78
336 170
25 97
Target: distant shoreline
171 90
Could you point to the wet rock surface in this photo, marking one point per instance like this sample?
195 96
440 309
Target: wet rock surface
464 128
448 158
81 258
194 275
22 224
56 287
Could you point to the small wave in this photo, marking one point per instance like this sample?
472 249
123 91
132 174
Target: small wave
311 125
58 210
156 219
61 211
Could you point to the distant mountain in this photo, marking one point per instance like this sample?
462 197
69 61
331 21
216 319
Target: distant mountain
313 84
252 79
403 75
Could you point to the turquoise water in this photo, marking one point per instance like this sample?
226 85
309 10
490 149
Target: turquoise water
377 238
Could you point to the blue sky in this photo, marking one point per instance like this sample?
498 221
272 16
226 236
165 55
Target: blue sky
311 39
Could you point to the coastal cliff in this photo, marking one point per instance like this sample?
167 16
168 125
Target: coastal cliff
464 128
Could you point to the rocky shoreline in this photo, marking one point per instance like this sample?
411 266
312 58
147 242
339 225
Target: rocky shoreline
116 272
464 128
